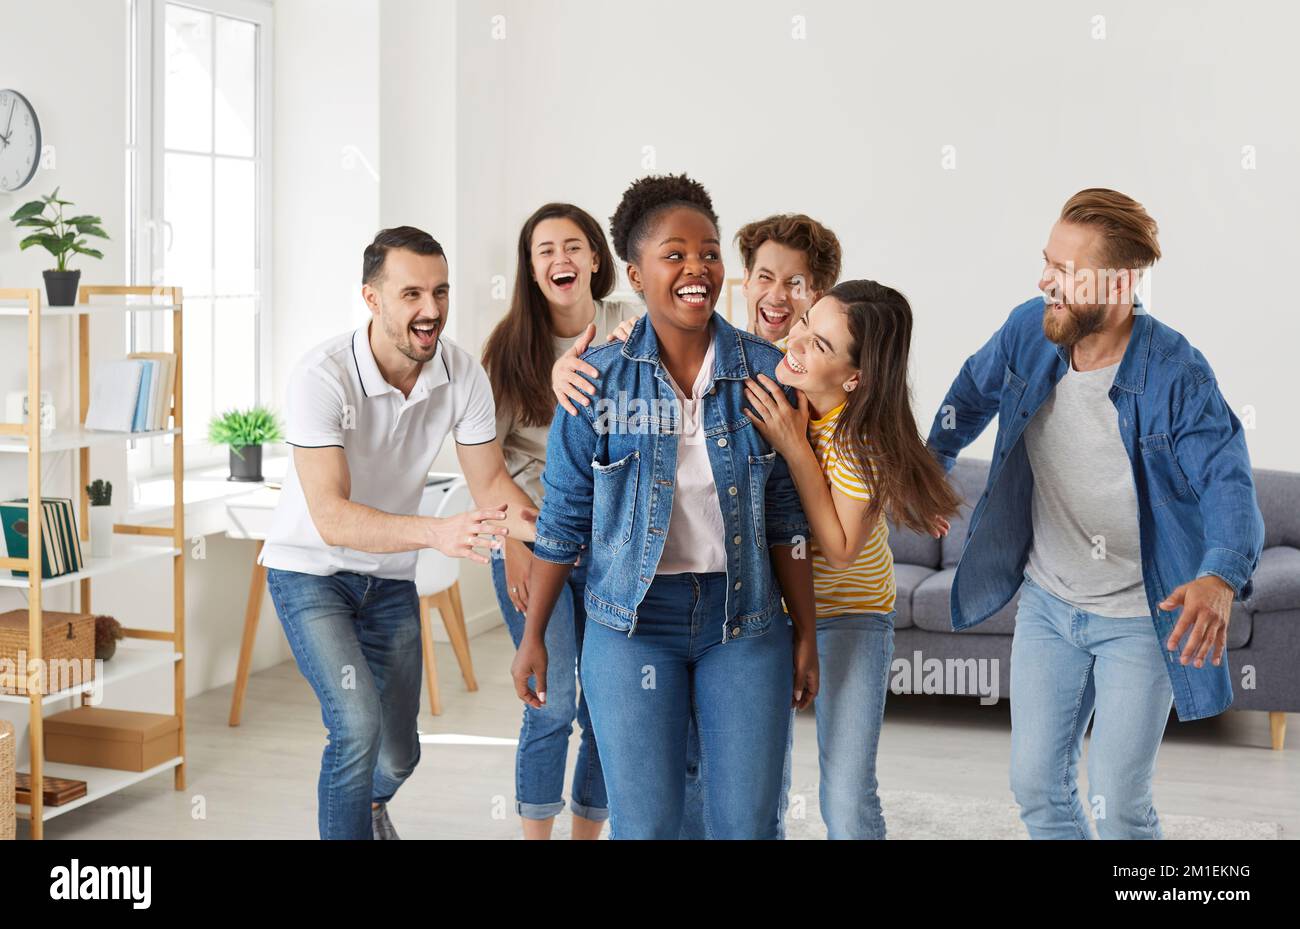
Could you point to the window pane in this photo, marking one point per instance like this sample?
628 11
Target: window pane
235 372
236 77
197 367
236 232
187 201
188 81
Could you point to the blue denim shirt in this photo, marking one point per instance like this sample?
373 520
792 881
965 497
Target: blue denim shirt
611 473
1197 512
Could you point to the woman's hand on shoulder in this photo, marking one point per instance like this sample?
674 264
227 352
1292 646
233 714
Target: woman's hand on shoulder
785 427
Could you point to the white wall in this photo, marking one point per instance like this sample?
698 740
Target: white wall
849 124
327 160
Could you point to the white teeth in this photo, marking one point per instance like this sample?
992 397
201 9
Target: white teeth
564 278
794 365
692 289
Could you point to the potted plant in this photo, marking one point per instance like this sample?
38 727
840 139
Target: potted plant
100 493
245 431
108 631
61 238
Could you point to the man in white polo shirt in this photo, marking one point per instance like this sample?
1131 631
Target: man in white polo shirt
367 412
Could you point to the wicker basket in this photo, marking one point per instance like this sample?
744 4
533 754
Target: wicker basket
65 637
8 749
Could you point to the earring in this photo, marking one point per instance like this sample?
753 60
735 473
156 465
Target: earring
849 388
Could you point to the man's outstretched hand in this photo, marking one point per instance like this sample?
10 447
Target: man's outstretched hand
1206 606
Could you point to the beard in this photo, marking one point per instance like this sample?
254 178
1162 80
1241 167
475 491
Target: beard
401 338
1080 322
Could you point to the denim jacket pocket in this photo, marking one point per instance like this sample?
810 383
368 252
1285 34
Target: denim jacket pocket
613 505
760 466
749 627
1164 479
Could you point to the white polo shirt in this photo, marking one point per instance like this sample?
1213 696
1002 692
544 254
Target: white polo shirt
338 397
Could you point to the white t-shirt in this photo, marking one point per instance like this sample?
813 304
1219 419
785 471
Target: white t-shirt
338 397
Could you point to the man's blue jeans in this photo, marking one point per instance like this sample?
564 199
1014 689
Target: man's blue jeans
544 733
357 641
644 689
1069 666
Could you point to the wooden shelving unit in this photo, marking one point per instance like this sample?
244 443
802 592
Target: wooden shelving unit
155 648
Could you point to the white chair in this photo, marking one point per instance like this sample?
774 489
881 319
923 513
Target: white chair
437 581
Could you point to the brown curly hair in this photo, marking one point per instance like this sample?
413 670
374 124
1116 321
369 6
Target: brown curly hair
797 231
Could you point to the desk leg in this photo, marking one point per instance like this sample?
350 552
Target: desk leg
251 614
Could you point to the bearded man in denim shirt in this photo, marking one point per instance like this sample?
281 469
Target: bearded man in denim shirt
1120 495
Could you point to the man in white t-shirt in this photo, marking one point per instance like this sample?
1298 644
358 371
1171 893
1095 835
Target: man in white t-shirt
367 412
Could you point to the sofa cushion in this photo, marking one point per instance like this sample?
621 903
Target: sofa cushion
1278 493
968 477
1277 581
906 578
931 610
1239 625
918 548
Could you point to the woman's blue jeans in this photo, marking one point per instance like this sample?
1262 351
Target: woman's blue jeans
544 733
645 689
357 641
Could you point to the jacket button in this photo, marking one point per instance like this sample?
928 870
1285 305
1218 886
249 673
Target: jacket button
735 540
731 491
722 443
735 631
737 587
1024 414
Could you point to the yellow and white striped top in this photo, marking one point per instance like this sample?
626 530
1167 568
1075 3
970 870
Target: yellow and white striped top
866 586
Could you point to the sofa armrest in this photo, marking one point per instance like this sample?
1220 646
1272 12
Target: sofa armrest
1277 581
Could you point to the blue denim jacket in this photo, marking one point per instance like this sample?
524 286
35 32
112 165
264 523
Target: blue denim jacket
611 473
1197 512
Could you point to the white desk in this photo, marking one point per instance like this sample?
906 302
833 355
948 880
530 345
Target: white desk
248 516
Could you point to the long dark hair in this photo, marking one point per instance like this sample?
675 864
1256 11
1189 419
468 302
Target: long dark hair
877 425
519 353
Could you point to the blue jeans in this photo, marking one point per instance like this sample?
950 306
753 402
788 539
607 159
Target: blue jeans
854 653
544 733
1067 667
357 641
645 689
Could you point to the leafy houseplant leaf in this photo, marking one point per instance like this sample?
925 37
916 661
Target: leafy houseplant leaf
28 209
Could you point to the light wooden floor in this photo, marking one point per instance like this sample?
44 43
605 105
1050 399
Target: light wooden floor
258 781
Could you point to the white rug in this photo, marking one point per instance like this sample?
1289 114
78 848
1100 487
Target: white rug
912 814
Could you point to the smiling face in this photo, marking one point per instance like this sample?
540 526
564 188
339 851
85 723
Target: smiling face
679 269
778 290
819 358
409 300
562 261
1081 298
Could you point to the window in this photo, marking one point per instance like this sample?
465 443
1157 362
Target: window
198 172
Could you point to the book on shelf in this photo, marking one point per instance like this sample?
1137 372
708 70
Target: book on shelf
60 544
132 395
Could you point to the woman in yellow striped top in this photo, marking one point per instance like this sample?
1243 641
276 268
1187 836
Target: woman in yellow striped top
856 455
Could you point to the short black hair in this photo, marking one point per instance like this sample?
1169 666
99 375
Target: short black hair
407 237
645 200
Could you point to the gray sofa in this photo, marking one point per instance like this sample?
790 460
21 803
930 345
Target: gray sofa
1264 632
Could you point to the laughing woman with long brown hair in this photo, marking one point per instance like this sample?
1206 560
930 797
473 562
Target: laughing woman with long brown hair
565 271
856 455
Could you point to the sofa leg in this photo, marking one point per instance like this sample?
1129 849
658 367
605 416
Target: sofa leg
1277 728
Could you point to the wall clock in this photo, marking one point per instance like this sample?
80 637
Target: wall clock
20 141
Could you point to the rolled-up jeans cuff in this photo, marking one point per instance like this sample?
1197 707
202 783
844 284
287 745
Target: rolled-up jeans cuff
597 814
539 810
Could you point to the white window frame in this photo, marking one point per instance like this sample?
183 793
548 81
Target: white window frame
145 184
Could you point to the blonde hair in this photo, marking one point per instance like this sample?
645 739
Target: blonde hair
1128 232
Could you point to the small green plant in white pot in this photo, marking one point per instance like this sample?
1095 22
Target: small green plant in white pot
100 493
245 431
